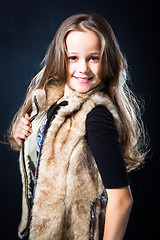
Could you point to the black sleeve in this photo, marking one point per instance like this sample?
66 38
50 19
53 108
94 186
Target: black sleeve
102 138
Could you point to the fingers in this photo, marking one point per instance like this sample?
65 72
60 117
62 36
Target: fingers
19 137
26 121
24 129
27 116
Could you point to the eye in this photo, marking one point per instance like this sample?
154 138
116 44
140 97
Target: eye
94 58
72 58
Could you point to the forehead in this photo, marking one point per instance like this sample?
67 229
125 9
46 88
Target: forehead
80 41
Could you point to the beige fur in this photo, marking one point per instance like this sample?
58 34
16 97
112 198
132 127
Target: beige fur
68 179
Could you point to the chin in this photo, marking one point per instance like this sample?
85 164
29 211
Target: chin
83 89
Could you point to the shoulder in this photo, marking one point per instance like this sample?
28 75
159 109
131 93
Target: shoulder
100 114
100 125
99 109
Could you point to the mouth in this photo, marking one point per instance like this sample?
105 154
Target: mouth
83 79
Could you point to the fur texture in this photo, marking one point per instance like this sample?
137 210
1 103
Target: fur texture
68 177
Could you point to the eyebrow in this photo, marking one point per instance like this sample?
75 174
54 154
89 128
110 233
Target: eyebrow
98 52
72 52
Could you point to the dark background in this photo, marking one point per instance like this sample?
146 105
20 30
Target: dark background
26 30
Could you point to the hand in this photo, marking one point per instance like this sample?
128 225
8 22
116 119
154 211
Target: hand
24 129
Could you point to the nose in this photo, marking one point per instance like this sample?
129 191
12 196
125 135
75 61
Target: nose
83 66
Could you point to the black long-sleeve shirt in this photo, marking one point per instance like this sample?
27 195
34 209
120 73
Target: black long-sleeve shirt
102 138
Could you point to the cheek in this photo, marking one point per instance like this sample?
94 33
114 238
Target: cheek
96 69
71 69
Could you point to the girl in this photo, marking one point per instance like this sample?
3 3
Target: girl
82 130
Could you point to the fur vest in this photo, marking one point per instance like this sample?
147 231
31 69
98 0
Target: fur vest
68 178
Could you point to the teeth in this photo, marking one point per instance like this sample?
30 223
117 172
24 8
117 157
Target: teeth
84 79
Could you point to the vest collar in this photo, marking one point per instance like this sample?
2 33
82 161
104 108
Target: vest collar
53 92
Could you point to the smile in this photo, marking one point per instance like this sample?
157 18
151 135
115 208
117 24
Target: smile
83 79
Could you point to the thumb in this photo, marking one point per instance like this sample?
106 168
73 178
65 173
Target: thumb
27 116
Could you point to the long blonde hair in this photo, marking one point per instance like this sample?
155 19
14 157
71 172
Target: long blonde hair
114 75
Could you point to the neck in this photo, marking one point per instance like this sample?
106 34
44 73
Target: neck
67 91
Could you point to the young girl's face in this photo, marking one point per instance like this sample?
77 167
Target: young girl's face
83 51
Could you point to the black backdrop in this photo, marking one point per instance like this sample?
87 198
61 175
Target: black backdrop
26 29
